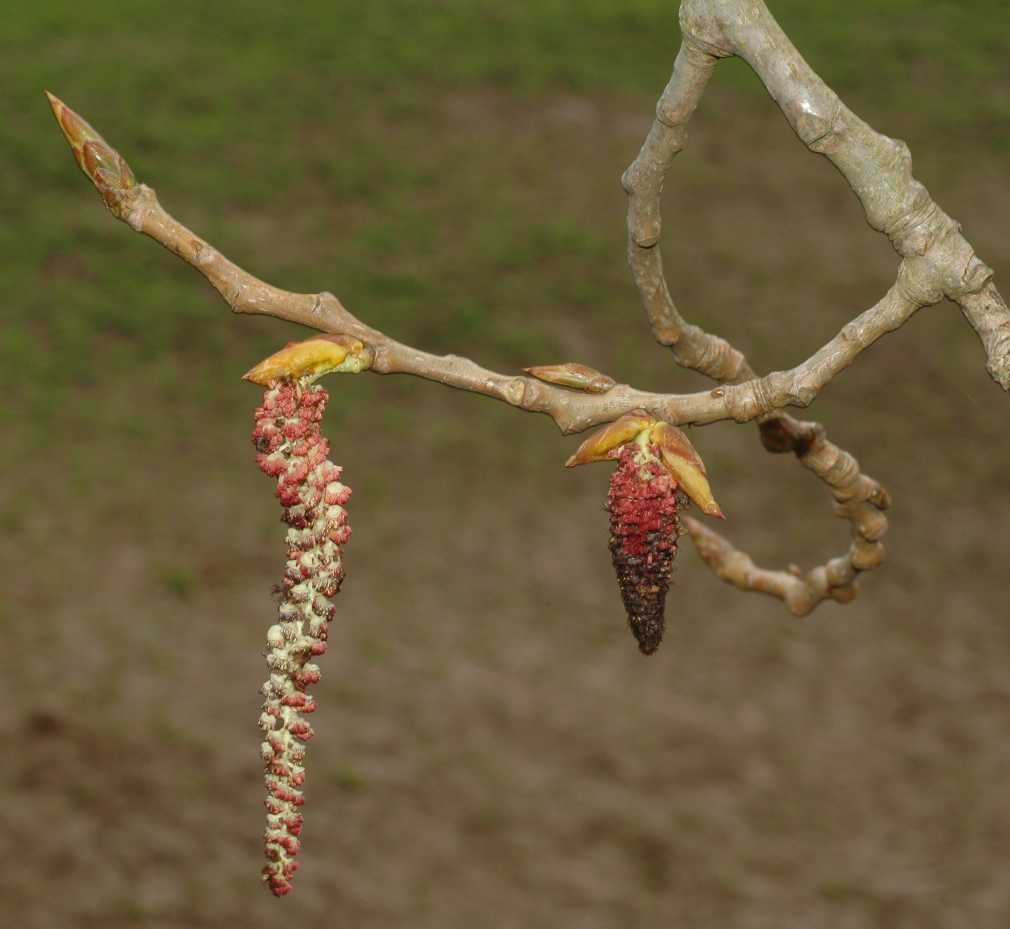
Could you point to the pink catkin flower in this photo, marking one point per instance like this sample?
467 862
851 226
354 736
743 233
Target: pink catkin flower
290 447
643 505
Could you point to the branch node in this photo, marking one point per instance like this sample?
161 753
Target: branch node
867 555
820 131
514 391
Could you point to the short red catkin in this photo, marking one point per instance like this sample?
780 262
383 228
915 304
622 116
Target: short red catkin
290 447
643 538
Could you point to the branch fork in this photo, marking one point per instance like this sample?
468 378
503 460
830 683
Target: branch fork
936 262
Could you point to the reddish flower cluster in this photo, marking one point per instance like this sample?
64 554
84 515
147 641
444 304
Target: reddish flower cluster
291 448
643 538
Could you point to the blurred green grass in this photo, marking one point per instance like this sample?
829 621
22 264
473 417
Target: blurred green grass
523 45
298 141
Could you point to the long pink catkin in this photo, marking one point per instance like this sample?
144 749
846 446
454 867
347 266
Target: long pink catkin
290 447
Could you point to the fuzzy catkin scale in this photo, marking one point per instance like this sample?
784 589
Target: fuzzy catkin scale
290 447
643 505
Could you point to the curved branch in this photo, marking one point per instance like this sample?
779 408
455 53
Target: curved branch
937 262
877 168
858 499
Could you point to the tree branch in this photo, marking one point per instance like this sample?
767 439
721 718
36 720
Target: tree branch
858 499
937 262
573 411
877 168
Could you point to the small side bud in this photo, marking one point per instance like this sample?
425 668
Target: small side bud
605 444
103 165
573 376
685 465
306 361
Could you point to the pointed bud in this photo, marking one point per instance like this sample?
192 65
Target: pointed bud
105 167
312 359
685 465
605 444
574 376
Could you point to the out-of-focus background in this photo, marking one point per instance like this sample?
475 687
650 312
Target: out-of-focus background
491 749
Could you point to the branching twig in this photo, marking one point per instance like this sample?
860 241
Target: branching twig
573 411
936 262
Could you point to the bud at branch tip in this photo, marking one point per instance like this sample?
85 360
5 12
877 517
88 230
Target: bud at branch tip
103 165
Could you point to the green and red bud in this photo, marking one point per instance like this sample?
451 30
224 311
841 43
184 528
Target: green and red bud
656 464
103 165
574 376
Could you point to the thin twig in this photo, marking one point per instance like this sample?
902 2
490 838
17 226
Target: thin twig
937 262
858 499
